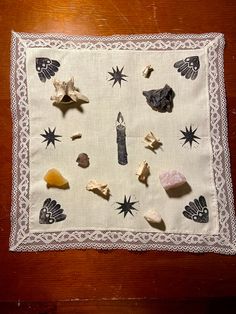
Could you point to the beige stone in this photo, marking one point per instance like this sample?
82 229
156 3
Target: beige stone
143 171
152 216
99 188
151 141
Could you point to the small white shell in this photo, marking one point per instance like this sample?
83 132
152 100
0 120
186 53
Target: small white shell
151 141
76 136
147 71
152 216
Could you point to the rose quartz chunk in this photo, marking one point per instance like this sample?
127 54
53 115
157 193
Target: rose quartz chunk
171 179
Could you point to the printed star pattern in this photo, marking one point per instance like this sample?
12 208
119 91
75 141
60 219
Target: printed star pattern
117 76
189 136
127 206
50 137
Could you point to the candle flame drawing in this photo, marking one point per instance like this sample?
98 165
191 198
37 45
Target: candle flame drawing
121 140
120 118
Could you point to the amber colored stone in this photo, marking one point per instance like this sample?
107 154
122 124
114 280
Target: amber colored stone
55 179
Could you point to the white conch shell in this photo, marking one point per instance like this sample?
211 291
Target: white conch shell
152 216
143 171
98 188
151 141
171 179
63 89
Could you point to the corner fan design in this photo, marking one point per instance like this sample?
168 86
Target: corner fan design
197 210
46 68
188 67
51 212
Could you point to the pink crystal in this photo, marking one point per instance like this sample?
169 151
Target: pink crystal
171 179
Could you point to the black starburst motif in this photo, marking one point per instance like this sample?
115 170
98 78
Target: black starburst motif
127 206
50 137
189 136
117 76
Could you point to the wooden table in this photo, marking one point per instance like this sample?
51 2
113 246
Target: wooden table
119 281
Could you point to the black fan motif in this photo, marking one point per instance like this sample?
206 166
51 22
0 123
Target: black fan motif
188 67
197 210
46 68
51 212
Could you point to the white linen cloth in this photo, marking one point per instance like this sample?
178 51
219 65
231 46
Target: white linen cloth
91 221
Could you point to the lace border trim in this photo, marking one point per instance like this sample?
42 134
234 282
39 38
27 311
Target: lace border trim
22 240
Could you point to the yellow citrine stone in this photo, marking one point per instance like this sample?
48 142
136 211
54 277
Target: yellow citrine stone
54 178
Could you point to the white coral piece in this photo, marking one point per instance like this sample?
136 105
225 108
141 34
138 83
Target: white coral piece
98 188
63 89
151 141
143 171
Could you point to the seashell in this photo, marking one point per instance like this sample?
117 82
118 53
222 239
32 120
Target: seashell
76 136
51 212
98 188
54 179
143 171
83 160
147 71
160 99
171 179
188 67
152 216
67 93
197 210
151 141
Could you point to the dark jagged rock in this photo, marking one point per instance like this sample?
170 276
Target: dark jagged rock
160 99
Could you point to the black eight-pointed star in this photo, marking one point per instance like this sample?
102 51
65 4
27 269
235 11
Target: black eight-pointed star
117 76
127 206
189 136
50 137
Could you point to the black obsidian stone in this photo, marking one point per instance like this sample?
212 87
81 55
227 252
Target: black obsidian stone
160 99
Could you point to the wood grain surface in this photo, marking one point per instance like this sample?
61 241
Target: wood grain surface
123 281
